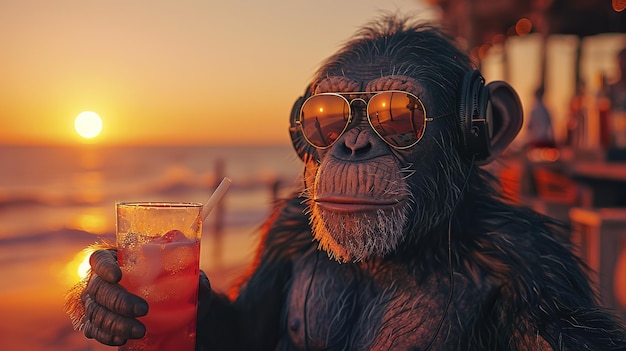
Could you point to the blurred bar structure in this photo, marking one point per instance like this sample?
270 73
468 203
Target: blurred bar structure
480 24
600 233
582 179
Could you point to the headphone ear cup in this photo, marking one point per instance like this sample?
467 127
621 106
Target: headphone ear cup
295 113
475 116
302 147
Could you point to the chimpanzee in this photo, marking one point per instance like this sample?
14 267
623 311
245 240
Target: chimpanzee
399 240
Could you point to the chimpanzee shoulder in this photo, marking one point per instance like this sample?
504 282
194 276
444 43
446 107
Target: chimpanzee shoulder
514 278
543 289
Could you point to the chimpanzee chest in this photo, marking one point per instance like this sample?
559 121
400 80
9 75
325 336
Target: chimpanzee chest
353 307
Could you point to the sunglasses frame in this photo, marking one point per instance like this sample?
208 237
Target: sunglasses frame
367 115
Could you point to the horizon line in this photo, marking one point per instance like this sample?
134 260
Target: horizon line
130 144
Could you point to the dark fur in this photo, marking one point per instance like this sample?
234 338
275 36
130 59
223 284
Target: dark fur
517 285
536 287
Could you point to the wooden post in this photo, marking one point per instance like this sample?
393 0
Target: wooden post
275 190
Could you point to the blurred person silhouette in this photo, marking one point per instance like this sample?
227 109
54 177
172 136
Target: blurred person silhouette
539 130
617 90
576 118
617 98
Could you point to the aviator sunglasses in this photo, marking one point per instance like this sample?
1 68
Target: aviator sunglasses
397 117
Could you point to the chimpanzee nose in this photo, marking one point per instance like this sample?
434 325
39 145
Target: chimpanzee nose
359 142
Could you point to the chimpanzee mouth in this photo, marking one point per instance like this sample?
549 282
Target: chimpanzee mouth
353 204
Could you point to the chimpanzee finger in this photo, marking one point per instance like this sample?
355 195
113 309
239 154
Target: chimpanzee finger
104 264
111 323
115 298
91 332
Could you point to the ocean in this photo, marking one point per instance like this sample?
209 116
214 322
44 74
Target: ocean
44 189
56 200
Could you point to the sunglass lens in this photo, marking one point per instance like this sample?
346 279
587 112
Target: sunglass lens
397 117
324 118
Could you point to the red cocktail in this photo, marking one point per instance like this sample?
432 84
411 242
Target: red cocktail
159 252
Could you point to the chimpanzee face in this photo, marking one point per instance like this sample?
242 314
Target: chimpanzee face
360 189
383 141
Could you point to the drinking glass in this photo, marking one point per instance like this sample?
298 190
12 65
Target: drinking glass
159 253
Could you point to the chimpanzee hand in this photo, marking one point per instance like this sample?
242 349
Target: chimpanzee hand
110 311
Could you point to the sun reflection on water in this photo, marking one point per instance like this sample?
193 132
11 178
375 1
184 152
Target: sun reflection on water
78 267
93 221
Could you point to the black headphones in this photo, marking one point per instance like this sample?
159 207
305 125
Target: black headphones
475 118
301 146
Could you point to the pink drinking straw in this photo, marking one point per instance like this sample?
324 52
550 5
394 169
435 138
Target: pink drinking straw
215 197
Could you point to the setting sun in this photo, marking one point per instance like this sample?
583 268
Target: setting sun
88 124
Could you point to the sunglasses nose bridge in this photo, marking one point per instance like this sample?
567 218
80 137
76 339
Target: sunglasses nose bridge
358 109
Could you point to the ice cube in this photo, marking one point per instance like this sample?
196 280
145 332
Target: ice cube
174 235
178 288
179 256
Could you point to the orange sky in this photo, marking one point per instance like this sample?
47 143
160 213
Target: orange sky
209 72
165 71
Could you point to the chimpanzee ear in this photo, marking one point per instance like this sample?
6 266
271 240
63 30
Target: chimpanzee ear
507 118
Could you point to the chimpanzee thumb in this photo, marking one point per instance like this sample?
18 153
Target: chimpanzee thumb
104 264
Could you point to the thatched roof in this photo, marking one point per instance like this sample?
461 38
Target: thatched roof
479 21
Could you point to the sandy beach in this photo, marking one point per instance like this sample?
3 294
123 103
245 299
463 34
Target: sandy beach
32 291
